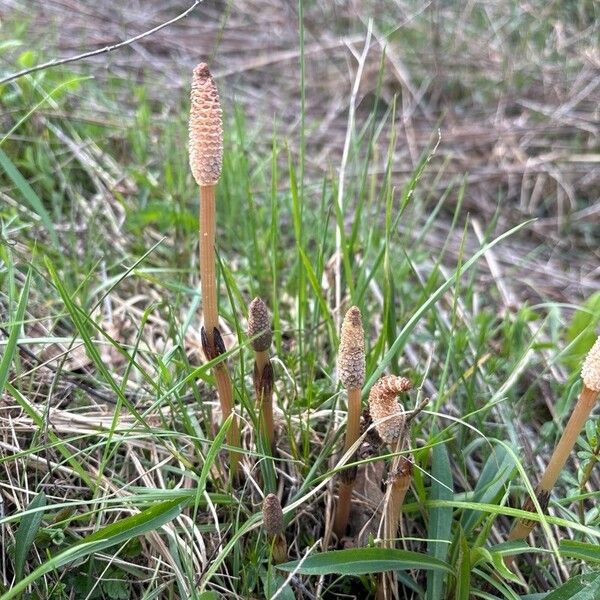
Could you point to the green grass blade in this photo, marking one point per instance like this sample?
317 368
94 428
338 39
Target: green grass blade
28 528
62 447
361 561
11 345
440 523
463 577
498 469
581 587
412 322
122 530
27 191
579 550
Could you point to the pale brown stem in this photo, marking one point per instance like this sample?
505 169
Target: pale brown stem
262 358
581 412
344 503
520 531
225 393
265 401
585 403
279 549
353 424
398 488
398 485
208 281
208 275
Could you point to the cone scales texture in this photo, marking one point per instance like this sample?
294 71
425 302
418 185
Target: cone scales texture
259 325
272 515
205 128
590 373
351 357
385 410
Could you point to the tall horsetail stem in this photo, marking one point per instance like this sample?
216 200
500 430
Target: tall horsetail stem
206 158
351 371
590 374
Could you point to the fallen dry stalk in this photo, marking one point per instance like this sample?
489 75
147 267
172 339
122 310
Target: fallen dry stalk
351 370
206 157
259 330
588 398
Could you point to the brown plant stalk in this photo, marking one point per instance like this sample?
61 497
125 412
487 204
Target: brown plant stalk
391 422
351 370
260 333
588 398
206 157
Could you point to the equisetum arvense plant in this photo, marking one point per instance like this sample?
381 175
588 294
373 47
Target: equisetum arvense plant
274 528
260 334
590 373
351 371
390 421
206 157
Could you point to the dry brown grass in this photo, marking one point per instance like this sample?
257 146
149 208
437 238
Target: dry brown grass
514 94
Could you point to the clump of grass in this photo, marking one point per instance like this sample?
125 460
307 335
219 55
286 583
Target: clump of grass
590 374
351 371
261 335
274 528
213 538
206 158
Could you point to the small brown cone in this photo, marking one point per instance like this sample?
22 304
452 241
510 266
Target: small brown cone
275 527
386 412
259 325
272 515
351 356
205 128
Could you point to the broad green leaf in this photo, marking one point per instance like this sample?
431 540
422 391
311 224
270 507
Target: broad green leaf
361 561
497 471
28 528
581 587
11 344
273 581
440 523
